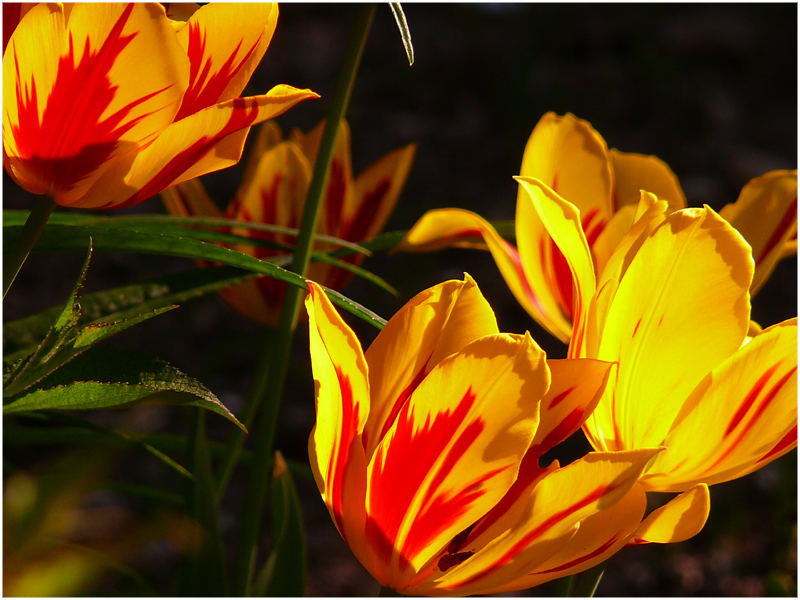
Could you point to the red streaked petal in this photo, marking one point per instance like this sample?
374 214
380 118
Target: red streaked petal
766 215
81 89
224 41
738 418
453 451
434 324
543 520
342 405
203 142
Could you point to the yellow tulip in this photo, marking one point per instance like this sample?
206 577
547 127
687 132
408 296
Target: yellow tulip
571 158
671 307
105 105
274 190
426 450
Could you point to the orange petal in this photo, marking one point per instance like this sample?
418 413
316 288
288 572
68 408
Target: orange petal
268 136
576 388
679 519
635 172
224 41
543 520
82 88
740 417
453 451
190 199
432 325
203 142
342 405
766 215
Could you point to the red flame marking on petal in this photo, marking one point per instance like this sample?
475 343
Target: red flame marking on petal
786 442
340 455
72 139
750 398
367 211
406 461
596 552
205 88
559 398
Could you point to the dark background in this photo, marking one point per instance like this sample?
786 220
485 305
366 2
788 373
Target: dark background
711 89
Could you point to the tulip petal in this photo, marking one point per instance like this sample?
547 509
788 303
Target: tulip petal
269 135
86 84
741 416
190 199
375 193
541 212
434 324
342 405
679 519
453 227
766 215
635 172
224 42
571 158
453 451
600 536
688 280
203 142
543 520
576 388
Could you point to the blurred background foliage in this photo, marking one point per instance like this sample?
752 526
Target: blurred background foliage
711 89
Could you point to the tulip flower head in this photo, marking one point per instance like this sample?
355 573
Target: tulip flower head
427 446
105 105
572 159
274 190
671 308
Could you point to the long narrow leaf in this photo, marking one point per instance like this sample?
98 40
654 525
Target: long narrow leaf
405 33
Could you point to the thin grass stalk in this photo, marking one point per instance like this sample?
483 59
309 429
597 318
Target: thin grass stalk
13 260
267 417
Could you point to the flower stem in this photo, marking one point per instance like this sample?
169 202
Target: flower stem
586 582
13 260
267 417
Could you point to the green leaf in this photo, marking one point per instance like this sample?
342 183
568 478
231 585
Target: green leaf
110 378
405 34
21 336
284 572
57 237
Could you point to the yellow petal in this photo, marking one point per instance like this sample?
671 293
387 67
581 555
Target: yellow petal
203 142
342 405
681 308
570 157
453 451
268 136
86 84
635 172
612 235
540 213
679 519
224 41
740 417
543 520
766 215
576 388
432 325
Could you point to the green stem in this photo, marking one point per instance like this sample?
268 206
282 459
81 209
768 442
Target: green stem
267 417
13 260
564 586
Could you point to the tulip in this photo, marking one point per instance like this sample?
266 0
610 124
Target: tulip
274 190
106 105
426 450
570 157
671 307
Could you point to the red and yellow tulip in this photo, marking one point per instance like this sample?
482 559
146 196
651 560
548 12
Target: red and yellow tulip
105 105
671 307
426 450
570 157
274 190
